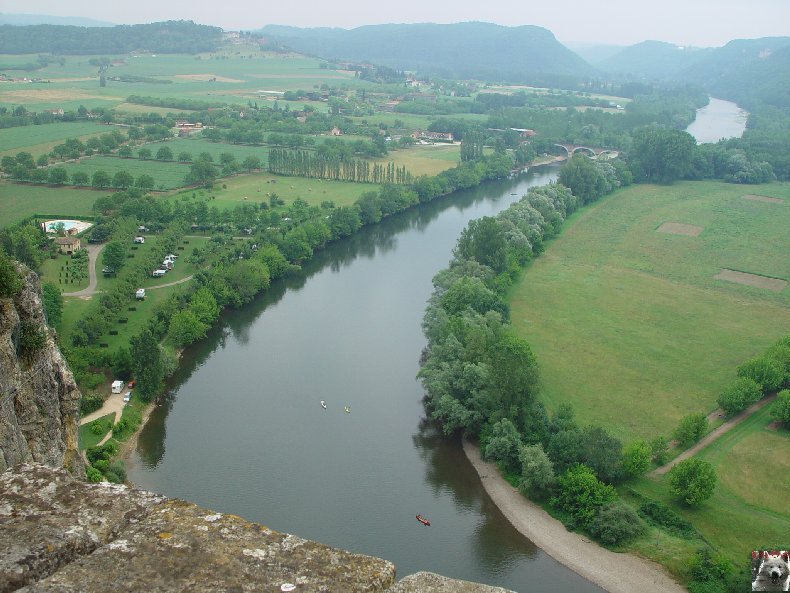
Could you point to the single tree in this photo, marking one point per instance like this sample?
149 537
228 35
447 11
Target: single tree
114 256
693 481
636 458
123 180
537 471
164 154
101 179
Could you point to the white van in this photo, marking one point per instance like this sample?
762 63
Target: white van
139 295
117 386
158 273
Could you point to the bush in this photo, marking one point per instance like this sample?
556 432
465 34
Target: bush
537 471
118 468
581 494
693 481
10 280
766 372
660 515
616 524
31 338
93 475
659 449
636 458
739 395
105 451
691 429
780 410
90 402
97 428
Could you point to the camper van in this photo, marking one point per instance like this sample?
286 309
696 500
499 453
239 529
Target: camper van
117 386
158 273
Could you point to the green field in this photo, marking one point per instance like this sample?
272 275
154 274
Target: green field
166 174
629 325
18 201
258 187
40 139
197 145
748 508
425 160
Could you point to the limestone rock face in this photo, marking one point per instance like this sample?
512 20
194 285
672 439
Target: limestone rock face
39 399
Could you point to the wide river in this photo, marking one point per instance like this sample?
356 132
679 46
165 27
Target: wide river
242 431
718 119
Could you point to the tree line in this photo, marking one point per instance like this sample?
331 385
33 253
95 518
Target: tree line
302 163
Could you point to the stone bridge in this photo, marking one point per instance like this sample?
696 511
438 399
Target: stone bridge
595 153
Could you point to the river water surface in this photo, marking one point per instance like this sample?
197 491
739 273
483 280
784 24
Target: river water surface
718 119
242 430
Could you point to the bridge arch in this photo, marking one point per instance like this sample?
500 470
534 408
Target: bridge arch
588 151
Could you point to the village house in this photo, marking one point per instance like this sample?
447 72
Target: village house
58 112
335 132
68 245
185 128
525 132
433 136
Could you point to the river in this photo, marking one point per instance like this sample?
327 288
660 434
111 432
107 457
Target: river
241 429
718 119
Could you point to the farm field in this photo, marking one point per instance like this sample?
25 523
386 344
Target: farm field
40 139
166 174
425 160
19 201
195 146
643 333
257 187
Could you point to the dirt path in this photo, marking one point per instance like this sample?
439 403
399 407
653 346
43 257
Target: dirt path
713 435
113 404
93 257
617 573
185 279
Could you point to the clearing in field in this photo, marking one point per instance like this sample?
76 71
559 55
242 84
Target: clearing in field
679 228
775 284
768 199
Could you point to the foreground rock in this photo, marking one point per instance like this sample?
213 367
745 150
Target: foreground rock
61 535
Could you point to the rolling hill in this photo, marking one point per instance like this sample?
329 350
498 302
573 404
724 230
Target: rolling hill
487 51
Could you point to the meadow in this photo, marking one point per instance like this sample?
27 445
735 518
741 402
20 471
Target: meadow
40 139
643 334
166 174
747 510
20 201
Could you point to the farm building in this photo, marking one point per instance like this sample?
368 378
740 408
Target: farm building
68 245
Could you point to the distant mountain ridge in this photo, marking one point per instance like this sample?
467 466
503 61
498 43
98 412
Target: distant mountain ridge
461 50
653 59
22 20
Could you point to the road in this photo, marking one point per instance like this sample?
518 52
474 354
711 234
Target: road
93 256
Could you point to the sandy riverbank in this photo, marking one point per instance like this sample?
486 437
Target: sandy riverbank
617 573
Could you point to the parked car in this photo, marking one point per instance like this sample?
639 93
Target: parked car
131 384
127 396
140 294
139 240
107 271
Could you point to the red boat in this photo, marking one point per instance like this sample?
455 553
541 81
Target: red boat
423 520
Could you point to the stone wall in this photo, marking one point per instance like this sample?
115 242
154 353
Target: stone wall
61 535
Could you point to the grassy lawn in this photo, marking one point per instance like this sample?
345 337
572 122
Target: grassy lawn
65 273
748 507
643 334
19 201
76 307
86 436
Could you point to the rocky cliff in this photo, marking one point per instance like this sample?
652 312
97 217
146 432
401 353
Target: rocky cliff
39 399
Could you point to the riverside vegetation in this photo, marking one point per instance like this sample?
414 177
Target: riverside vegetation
481 378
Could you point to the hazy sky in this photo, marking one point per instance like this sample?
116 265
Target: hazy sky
621 22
